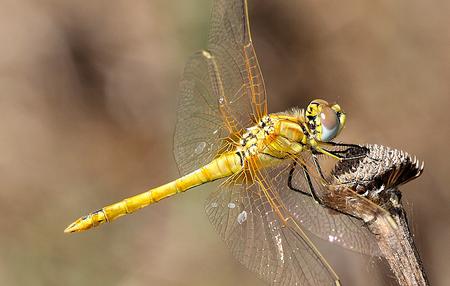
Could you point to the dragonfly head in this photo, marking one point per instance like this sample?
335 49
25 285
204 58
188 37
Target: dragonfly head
324 121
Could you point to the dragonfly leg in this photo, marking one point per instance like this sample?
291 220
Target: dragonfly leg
342 144
333 154
312 191
344 152
319 169
291 175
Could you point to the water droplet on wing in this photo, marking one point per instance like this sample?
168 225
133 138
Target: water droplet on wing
242 217
231 205
200 147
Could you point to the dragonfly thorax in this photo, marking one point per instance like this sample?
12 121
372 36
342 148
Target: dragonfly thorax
281 135
253 138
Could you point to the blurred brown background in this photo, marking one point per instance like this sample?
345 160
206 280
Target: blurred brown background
87 112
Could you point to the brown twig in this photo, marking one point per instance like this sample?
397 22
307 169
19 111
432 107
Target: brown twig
367 187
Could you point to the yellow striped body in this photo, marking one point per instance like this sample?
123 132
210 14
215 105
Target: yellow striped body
225 165
276 136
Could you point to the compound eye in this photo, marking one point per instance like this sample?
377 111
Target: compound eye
330 124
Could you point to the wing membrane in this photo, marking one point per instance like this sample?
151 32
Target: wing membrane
231 43
279 254
200 126
327 224
222 91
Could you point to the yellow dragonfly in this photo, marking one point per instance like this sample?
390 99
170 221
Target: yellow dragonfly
272 180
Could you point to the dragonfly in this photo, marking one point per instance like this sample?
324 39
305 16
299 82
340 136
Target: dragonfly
269 166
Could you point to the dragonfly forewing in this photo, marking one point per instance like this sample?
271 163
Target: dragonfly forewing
222 91
231 44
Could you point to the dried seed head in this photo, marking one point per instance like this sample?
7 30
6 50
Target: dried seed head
378 170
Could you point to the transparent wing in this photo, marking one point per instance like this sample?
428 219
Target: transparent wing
222 91
278 253
231 44
326 223
200 125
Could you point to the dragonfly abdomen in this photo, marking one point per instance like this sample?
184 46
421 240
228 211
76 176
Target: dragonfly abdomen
225 165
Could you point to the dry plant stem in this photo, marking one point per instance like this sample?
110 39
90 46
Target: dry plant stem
367 188
397 246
